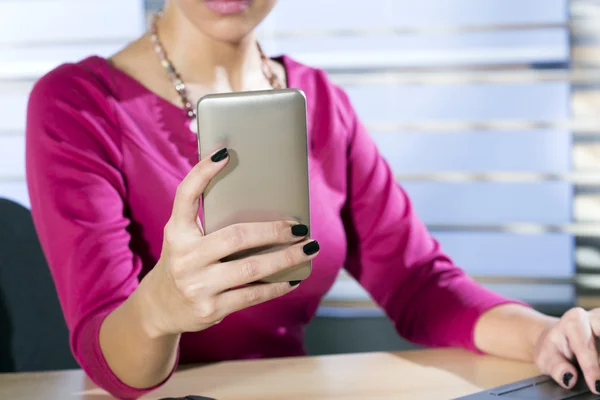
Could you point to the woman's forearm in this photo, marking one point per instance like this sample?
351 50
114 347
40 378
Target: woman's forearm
138 356
511 331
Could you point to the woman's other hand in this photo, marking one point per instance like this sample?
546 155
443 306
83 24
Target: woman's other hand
190 289
569 342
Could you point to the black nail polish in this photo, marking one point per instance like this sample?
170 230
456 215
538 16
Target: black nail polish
311 248
294 283
220 155
300 230
598 386
567 378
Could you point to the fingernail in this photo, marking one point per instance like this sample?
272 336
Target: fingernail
311 248
300 230
220 155
294 283
597 386
567 378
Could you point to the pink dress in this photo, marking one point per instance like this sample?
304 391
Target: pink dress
104 157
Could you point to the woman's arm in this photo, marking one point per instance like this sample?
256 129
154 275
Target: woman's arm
391 253
511 331
139 356
77 194
432 301
555 345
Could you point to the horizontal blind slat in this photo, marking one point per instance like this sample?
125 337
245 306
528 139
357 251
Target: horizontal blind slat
409 13
34 22
395 51
491 203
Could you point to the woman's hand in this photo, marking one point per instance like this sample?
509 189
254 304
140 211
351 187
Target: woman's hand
571 340
190 289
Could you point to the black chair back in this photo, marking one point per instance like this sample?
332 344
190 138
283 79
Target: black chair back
33 333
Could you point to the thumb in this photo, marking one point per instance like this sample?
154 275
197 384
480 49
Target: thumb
189 191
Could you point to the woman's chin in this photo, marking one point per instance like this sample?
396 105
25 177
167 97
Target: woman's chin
228 31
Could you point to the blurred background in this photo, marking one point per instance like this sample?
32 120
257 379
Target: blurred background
487 110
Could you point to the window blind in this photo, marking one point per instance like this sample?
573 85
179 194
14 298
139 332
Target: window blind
585 23
477 105
38 35
492 106
484 104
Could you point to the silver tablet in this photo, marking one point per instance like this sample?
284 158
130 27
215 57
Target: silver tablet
267 175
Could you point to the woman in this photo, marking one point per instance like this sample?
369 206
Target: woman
115 186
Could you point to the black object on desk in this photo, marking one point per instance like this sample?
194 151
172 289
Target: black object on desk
189 397
538 388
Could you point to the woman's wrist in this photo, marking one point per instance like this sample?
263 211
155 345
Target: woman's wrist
147 303
512 331
533 326
538 329
136 350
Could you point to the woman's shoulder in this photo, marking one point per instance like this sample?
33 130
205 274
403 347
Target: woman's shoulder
77 86
73 78
73 103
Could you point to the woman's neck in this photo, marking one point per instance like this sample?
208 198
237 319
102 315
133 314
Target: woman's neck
202 61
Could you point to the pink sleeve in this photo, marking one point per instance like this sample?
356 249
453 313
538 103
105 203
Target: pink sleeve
431 301
77 192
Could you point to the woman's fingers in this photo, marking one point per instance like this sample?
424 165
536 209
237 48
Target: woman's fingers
236 238
594 318
560 369
189 191
247 296
582 342
255 268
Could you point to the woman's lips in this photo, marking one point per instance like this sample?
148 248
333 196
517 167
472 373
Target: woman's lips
227 6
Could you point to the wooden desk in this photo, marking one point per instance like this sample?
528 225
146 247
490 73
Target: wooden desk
425 374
